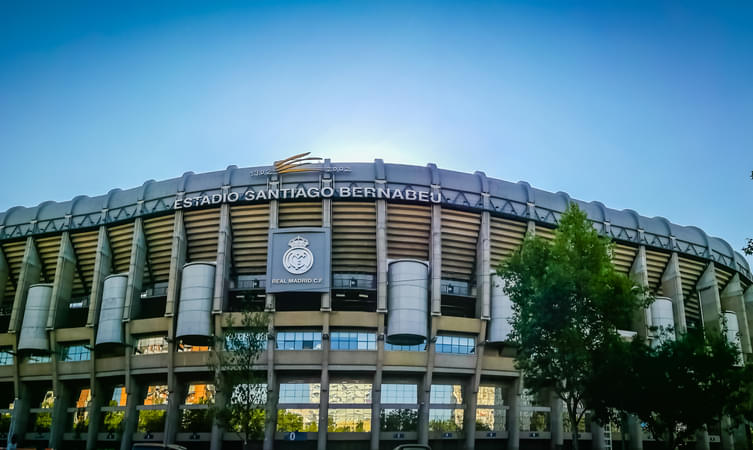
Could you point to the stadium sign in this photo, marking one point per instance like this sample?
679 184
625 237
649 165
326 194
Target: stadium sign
299 260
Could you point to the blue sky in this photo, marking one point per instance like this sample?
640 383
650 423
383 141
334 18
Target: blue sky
641 105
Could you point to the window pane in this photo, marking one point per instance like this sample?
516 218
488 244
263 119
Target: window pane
446 420
298 420
399 393
343 393
349 420
299 393
534 421
156 394
200 394
446 394
399 420
488 419
152 344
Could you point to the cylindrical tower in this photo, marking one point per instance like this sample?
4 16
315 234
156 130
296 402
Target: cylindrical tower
499 325
195 307
408 298
33 338
110 327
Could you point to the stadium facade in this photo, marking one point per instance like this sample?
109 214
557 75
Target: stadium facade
387 324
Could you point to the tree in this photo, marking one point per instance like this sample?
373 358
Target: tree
233 360
568 303
679 386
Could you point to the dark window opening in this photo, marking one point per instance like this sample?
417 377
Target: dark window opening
152 302
457 306
298 301
354 301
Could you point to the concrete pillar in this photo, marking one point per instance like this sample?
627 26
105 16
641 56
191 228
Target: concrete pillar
671 284
20 414
727 437
4 272
376 397
635 433
102 268
484 269
748 298
177 261
30 273
270 425
99 399
224 260
135 271
424 394
513 415
59 413
471 397
639 274
381 251
62 286
555 421
708 293
131 419
732 299
324 395
702 440
436 260
597 437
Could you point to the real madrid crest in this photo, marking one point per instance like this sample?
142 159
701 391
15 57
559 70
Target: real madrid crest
298 259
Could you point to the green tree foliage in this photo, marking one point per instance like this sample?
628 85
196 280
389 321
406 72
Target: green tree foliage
289 421
568 303
678 386
114 419
243 410
151 420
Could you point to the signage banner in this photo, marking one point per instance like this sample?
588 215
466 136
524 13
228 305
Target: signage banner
298 260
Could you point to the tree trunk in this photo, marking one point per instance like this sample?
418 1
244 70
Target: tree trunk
574 422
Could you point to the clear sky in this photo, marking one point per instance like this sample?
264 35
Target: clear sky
642 105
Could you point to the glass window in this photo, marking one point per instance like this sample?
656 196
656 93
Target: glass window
156 394
300 392
146 345
446 420
352 340
38 359
6 357
299 340
119 396
446 394
200 394
459 345
405 348
341 420
242 339
491 396
399 393
151 420
491 419
84 397
349 393
399 419
74 352
298 420
249 394
192 348
534 421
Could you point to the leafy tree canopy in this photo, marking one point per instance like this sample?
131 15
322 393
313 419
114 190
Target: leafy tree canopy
568 303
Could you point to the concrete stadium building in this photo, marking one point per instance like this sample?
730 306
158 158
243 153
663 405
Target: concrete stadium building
387 324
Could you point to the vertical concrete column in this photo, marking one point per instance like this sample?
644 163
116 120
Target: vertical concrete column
381 251
59 413
639 274
135 271
178 254
424 394
270 425
436 260
376 397
727 438
555 421
635 433
708 293
732 299
98 401
102 268
471 398
597 437
4 272
513 414
326 304
62 286
641 323
324 395
20 414
671 284
381 254
220 400
484 269
748 299
224 260
30 273
131 419
702 439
